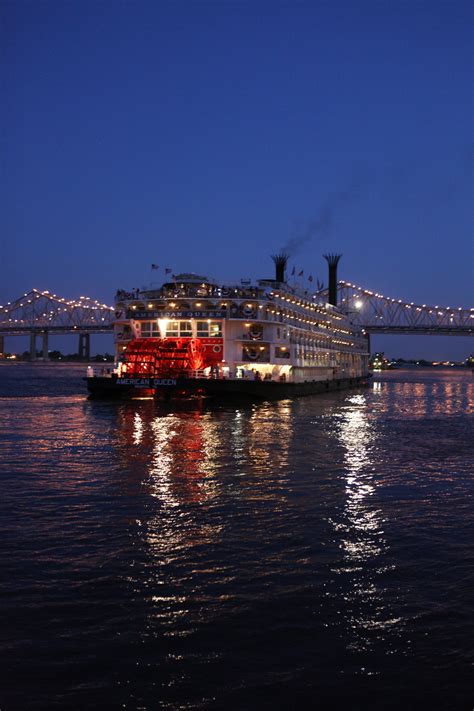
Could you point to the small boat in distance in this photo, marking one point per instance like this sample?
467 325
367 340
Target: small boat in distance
193 336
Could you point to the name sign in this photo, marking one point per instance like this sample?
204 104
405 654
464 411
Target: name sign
174 314
146 382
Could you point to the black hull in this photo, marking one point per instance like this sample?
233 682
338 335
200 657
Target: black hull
219 389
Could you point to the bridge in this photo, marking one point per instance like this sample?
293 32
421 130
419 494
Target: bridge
381 314
40 313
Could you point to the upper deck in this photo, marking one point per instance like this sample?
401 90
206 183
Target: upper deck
191 296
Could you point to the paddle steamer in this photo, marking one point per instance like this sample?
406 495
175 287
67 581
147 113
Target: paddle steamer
193 336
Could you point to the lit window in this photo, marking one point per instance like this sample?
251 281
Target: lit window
215 330
172 328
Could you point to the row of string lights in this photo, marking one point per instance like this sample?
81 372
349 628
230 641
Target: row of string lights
441 310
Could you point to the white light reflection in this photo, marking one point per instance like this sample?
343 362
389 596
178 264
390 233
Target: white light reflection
137 428
363 523
161 461
360 530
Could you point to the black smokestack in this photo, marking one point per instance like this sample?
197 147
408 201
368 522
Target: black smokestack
332 260
280 266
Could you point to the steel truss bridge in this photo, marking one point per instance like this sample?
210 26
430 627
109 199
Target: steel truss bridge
381 314
40 313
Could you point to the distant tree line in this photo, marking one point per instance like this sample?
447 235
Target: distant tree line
67 357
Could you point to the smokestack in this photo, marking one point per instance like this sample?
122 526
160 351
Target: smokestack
332 260
280 266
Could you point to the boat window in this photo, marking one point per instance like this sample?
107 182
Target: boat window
215 330
202 329
185 328
172 328
149 329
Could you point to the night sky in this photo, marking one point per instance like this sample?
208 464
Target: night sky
205 136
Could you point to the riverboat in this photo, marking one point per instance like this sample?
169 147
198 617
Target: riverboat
194 337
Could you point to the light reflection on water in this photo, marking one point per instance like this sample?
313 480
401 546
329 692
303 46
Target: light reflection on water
238 552
360 529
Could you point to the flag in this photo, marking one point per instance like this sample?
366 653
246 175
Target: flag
293 272
167 271
310 278
301 272
155 266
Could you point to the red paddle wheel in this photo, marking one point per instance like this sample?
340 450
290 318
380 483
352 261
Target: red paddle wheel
195 353
163 357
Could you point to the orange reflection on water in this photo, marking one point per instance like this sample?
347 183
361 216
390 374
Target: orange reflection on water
176 450
174 453
425 393
187 458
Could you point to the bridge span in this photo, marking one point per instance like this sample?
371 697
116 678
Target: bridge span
381 314
40 314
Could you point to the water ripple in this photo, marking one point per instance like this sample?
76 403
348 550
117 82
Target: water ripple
204 558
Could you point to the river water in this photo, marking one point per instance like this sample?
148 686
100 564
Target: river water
315 553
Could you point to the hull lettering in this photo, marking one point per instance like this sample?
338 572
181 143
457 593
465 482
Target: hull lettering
147 382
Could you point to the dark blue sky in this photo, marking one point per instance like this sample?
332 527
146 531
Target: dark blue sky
204 136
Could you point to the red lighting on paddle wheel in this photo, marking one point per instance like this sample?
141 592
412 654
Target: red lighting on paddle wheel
159 357
195 354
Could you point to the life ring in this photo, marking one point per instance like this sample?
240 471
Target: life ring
255 333
217 349
225 291
252 354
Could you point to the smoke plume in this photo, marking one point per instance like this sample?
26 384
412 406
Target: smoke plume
321 225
